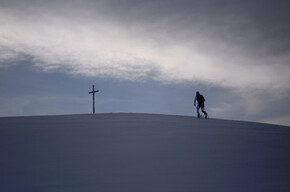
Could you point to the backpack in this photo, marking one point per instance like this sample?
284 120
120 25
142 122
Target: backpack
200 99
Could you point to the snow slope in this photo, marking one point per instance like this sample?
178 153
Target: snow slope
142 153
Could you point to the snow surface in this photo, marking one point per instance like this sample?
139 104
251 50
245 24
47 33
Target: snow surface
142 153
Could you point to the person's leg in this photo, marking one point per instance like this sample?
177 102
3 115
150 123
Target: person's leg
197 110
204 112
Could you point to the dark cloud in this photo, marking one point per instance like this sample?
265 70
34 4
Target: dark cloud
251 22
257 26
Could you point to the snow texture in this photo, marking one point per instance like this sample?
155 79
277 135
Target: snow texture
142 153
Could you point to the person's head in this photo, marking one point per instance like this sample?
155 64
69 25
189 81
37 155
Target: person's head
197 93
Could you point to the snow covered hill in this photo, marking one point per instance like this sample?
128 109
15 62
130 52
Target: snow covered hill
142 153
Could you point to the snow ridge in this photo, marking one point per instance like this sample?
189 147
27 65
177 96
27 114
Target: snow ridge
142 152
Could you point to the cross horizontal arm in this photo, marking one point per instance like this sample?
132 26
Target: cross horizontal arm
94 91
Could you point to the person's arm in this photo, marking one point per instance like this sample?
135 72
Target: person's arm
195 101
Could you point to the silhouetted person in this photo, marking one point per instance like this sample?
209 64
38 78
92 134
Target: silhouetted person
200 104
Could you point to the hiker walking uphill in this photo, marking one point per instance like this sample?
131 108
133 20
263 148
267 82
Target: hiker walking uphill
200 104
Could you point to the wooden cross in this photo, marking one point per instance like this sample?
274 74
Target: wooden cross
93 92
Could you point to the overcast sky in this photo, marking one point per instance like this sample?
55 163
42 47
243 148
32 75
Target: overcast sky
146 56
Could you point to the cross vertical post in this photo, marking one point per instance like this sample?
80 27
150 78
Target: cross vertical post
93 92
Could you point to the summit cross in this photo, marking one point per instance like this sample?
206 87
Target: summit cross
93 92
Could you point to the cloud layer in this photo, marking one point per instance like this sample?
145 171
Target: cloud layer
230 44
